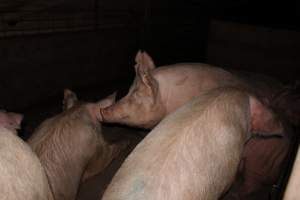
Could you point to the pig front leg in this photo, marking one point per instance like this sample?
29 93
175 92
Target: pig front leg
102 158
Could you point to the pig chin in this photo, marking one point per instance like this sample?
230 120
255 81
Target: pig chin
110 115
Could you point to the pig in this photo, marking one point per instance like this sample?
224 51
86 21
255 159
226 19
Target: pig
194 153
292 190
156 92
71 146
21 173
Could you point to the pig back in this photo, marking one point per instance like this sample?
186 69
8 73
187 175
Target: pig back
65 143
21 173
180 82
192 154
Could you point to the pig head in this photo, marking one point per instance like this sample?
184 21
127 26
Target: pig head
142 106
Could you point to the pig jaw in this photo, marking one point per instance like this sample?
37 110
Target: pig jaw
140 116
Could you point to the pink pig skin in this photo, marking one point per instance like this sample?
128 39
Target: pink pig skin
21 173
157 92
71 146
194 153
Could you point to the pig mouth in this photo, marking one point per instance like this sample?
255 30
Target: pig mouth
118 119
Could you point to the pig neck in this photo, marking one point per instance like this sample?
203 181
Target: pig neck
168 82
65 154
179 83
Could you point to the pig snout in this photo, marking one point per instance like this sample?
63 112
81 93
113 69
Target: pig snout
113 114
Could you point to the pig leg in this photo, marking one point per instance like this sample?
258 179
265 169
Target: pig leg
104 155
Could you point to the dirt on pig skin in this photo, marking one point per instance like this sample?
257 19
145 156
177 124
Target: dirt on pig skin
194 152
21 173
71 146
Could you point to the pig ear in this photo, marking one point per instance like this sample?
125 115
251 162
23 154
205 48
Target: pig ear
263 121
15 120
108 101
139 57
144 60
70 99
145 77
148 61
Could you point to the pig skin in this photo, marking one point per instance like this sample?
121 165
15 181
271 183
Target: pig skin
193 153
21 173
157 92
71 146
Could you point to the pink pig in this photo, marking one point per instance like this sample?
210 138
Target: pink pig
157 92
21 173
195 151
71 146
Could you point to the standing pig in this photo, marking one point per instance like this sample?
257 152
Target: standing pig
71 146
21 173
194 153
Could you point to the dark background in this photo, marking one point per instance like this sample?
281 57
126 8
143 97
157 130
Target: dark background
90 45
